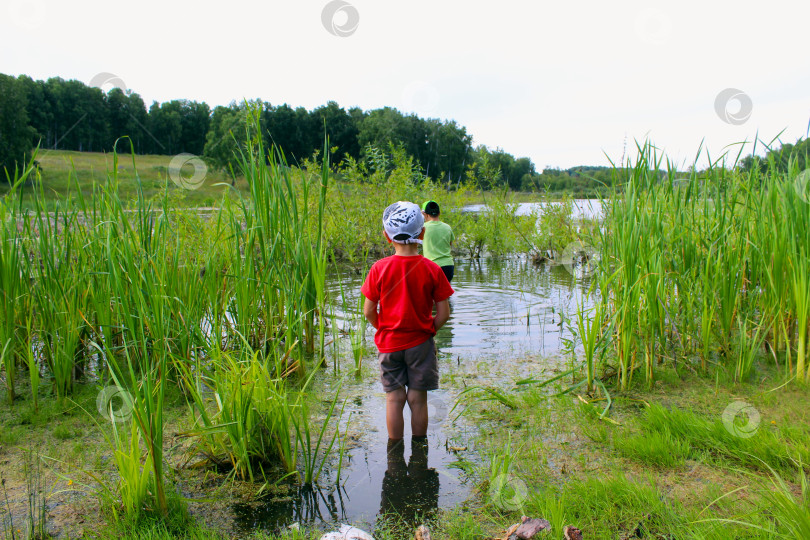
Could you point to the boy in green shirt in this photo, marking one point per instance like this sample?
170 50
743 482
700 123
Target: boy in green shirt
438 239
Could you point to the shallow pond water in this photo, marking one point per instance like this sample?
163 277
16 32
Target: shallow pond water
582 208
506 323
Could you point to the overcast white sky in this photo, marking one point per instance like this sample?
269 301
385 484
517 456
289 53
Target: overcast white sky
563 83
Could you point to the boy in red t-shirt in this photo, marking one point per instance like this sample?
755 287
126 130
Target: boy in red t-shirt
405 286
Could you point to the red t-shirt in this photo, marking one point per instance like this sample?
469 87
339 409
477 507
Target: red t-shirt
405 288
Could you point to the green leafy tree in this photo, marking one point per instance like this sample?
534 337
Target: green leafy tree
382 127
340 128
127 118
295 131
79 116
449 150
16 136
194 119
226 129
136 123
40 115
166 128
484 172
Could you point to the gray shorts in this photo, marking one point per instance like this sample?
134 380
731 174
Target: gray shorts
416 368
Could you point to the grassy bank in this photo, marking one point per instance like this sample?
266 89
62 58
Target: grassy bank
683 412
146 300
63 171
664 463
113 285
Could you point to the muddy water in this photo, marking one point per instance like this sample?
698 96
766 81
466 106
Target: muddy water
506 324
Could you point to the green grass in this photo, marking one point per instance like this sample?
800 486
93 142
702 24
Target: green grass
662 463
118 289
64 432
63 170
228 310
608 485
780 449
789 511
654 449
10 436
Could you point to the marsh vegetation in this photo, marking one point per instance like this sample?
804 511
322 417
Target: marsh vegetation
229 342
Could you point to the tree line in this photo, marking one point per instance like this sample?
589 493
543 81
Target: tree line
788 156
70 115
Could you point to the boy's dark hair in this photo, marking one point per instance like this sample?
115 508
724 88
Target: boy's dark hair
431 208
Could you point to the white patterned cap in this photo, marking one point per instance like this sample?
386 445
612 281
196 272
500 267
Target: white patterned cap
403 222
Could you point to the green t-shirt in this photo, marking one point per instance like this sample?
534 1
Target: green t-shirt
436 244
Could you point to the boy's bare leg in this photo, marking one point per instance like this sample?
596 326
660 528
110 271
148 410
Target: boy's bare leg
417 401
394 403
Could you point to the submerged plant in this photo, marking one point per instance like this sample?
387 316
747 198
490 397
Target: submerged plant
590 332
255 416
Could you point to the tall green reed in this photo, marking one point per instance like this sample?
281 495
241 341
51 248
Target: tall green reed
134 247
687 261
284 225
590 332
31 362
13 292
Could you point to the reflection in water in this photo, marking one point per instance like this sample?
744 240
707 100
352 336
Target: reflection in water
409 492
501 308
301 504
503 313
505 309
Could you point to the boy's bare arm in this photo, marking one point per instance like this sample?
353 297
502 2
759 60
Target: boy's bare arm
370 312
442 314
